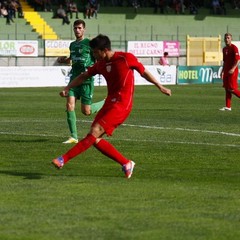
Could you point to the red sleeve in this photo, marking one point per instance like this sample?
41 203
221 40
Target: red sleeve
135 64
92 71
236 53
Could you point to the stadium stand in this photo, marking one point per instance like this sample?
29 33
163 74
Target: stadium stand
38 24
124 24
18 30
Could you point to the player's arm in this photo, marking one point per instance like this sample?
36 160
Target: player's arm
223 64
66 60
222 72
160 61
150 78
74 83
231 71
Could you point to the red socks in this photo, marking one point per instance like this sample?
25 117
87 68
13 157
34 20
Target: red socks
103 146
236 92
228 99
80 147
108 150
229 93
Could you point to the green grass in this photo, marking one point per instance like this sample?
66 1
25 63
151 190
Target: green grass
185 184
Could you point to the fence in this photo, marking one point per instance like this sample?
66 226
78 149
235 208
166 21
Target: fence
121 34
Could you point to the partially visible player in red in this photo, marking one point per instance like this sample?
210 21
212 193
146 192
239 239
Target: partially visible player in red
230 71
118 70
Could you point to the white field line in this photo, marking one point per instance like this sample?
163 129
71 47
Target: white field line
184 129
137 140
131 125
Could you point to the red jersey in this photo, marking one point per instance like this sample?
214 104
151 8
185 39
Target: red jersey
230 56
119 76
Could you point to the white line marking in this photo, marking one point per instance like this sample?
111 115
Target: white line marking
29 134
131 125
129 140
180 142
183 129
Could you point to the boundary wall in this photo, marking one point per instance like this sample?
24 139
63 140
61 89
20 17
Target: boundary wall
12 77
59 76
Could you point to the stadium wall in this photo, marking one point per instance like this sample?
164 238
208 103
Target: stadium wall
58 76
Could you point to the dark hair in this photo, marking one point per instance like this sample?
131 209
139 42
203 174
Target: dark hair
78 22
100 42
165 53
227 34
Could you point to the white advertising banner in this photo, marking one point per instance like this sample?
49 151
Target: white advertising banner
34 76
19 48
146 48
59 76
154 48
166 75
237 43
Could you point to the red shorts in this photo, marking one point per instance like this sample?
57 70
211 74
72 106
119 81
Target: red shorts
230 81
111 116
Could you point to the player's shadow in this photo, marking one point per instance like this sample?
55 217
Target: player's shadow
39 140
130 16
25 175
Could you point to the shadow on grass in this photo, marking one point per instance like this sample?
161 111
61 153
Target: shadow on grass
31 140
131 16
31 176
199 17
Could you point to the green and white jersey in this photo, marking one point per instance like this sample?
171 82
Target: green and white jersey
81 56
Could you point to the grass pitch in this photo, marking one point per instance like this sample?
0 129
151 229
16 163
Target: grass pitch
185 184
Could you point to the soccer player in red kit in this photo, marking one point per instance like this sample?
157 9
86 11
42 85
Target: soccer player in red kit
117 68
230 71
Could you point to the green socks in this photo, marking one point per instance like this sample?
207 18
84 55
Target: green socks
95 107
71 117
71 120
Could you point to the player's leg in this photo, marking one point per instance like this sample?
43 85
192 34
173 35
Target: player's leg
228 101
103 146
95 107
95 132
227 84
231 87
71 118
105 122
87 107
233 79
236 92
110 151
110 119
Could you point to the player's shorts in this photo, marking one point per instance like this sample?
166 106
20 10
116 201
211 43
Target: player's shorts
230 81
111 116
83 92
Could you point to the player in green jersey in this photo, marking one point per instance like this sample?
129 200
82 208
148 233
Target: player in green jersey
81 58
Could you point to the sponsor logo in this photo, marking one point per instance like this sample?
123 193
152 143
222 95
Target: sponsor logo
208 74
164 77
108 68
27 49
